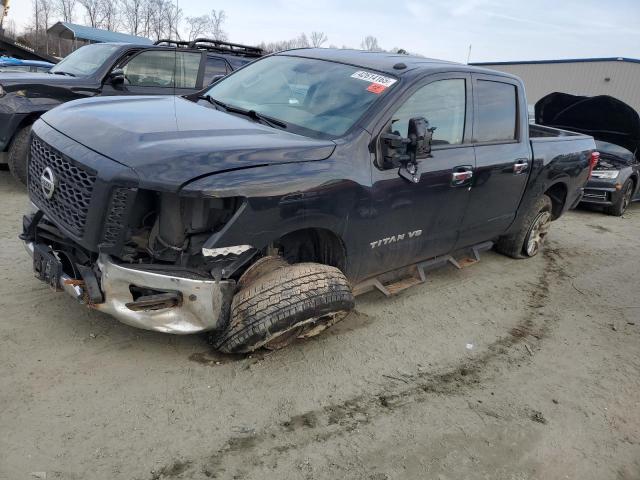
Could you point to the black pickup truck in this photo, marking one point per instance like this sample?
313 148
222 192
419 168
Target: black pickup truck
255 209
107 69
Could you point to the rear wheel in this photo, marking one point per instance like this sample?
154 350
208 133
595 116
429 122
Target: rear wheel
18 154
293 301
528 240
624 200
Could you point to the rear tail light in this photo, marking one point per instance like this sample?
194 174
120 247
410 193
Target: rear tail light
595 158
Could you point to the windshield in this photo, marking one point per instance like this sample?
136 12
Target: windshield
85 61
318 96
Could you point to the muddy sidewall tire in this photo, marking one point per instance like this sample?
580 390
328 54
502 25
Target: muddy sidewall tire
282 300
17 157
515 245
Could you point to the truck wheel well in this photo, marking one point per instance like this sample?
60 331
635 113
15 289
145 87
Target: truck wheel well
26 121
313 245
558 195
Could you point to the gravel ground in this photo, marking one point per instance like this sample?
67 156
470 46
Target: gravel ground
503 370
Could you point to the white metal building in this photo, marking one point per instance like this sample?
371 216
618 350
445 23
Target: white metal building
617 77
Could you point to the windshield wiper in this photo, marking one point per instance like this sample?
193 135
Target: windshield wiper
216 103
60 72
259 117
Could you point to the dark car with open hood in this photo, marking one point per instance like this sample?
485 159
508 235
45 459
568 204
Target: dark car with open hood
615 180
258 208
109 69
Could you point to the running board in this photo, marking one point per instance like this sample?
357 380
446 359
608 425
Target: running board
420 272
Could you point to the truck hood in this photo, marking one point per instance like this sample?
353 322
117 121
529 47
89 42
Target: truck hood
17 81
603 117
169 141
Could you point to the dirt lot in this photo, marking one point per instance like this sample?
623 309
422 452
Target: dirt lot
504 370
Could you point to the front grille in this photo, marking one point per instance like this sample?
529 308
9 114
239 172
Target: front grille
69 204
596 195
115 222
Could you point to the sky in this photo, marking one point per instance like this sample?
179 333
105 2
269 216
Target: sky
497 30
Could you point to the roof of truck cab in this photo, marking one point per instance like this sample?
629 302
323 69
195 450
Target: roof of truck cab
385 61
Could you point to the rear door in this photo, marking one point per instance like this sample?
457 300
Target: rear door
415 221
503 156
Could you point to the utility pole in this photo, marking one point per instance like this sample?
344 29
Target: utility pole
469 54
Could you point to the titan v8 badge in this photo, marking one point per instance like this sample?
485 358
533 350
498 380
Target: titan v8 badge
395 238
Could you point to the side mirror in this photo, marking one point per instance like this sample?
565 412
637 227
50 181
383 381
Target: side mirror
116 76
394 150
420 137
216 79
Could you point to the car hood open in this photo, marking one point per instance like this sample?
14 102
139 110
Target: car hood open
603 117
170 141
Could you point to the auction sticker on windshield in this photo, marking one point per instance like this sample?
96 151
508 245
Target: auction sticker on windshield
374 78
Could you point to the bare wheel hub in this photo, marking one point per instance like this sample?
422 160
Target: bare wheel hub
538 232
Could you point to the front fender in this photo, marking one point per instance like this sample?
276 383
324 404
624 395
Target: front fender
17 110
279 199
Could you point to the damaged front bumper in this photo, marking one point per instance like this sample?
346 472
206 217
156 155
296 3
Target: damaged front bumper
196 304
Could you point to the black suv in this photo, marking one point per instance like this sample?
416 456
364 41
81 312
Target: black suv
166 68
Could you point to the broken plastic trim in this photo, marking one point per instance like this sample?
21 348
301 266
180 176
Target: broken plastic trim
225 251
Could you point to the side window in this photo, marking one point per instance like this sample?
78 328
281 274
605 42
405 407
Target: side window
151 69
497 112
187 67
215 66
443 104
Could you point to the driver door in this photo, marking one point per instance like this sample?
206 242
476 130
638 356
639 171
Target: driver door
416 221
158 72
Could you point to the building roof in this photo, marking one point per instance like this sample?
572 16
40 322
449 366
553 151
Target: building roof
12 48
567 60
71 31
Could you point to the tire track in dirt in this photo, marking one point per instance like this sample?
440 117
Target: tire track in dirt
321 425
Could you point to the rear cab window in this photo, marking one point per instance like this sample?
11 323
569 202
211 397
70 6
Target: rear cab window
496 111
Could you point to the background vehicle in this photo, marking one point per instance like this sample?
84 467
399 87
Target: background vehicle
255 209
615 125
107 69
10 64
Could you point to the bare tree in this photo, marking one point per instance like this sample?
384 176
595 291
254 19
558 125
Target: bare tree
110 15
197 26
318 38
216 21
40 20
132 15
93 10
66 9
370 43
173 15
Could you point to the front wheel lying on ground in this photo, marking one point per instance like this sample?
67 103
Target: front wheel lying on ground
290 302
18 153
528 240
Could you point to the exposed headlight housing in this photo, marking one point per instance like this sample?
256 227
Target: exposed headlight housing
605 174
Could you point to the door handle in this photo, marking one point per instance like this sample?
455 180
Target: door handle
461 176
520 166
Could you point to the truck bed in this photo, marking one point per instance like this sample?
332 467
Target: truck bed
539 131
